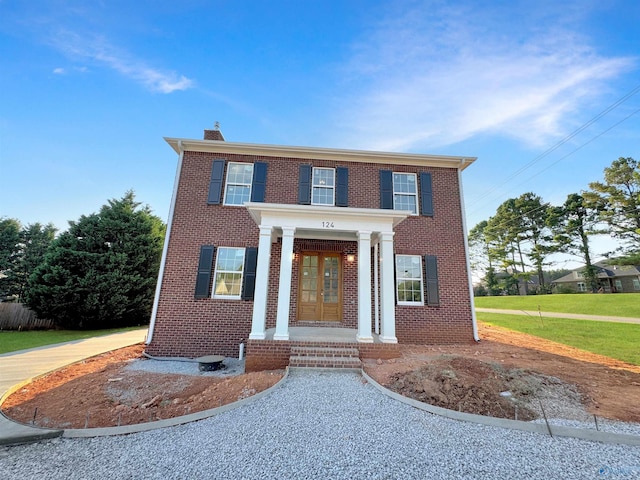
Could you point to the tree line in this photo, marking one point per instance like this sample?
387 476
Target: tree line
100 273
519 240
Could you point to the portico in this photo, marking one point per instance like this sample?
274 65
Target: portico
368 227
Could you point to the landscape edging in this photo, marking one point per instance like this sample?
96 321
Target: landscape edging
168 422
548 429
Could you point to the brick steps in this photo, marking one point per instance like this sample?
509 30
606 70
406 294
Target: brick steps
324 357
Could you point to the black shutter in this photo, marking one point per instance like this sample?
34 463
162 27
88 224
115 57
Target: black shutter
431 270
304 185
205 264
342 187
259 183
386 189
249 281
215 185
426 194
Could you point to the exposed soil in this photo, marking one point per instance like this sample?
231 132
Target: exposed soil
471 377
100 392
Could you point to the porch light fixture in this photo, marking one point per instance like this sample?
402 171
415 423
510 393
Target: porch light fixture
351 258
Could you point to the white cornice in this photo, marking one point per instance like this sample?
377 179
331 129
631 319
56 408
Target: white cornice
363 156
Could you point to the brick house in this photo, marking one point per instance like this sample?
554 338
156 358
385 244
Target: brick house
266 244
611 279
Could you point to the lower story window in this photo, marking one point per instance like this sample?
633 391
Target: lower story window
582 287
409 287
636 284
228 273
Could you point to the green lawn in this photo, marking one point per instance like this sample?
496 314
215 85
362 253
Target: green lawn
619 304
615 340
11 341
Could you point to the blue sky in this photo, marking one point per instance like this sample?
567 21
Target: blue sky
88 90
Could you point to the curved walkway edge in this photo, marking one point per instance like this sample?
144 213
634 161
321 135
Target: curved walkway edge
547 429
20 368
169 422
575 316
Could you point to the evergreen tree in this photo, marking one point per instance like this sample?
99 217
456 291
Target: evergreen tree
9 241
102 272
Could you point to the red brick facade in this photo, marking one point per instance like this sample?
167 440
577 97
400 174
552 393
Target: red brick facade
188 327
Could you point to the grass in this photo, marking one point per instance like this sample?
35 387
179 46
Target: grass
618 305
615 340
11 341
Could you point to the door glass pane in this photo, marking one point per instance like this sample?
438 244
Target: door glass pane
309 284
331 280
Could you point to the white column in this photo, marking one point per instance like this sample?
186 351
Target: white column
258 322
284 287
387 295
364 287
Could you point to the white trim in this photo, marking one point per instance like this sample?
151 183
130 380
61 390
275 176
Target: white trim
259 316
406 303
362 156
227 183
364 287
165 247
333 187
474 321
405 194
216 271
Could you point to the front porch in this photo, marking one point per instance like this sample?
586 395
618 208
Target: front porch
270 354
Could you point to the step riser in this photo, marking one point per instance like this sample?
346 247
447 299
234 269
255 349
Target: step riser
324 362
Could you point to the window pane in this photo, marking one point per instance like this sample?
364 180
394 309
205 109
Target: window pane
240 173
322 196
405 202
404 183
323 177
409 278
237 195
229 266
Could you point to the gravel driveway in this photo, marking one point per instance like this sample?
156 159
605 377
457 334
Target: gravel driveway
322 425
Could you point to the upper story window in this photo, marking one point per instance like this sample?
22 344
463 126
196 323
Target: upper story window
409 286
405 192
323 186
228 274
238 185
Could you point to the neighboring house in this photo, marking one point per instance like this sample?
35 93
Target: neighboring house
264 239
611 279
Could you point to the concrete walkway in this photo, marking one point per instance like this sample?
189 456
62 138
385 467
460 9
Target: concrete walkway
577 316
19 367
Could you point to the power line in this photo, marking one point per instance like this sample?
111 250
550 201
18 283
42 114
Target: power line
565 140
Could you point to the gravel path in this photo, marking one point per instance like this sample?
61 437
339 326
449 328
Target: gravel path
322 425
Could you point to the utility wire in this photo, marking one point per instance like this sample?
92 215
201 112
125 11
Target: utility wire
565 140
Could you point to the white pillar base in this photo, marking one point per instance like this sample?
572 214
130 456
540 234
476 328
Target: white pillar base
364 339
388 339
257 336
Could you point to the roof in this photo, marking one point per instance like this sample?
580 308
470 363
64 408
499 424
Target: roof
364 156
604 271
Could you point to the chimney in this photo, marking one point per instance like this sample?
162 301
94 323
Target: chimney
214 134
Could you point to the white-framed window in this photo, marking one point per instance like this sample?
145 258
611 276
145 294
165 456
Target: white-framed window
237 188
409 286
582 287
405 192
636 283
618 284
323 186
227 281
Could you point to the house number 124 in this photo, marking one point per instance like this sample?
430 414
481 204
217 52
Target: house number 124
327 225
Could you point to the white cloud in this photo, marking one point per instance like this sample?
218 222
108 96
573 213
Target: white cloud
437 75
98 50
59 71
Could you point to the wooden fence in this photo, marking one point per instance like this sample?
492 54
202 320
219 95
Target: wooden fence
15 316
